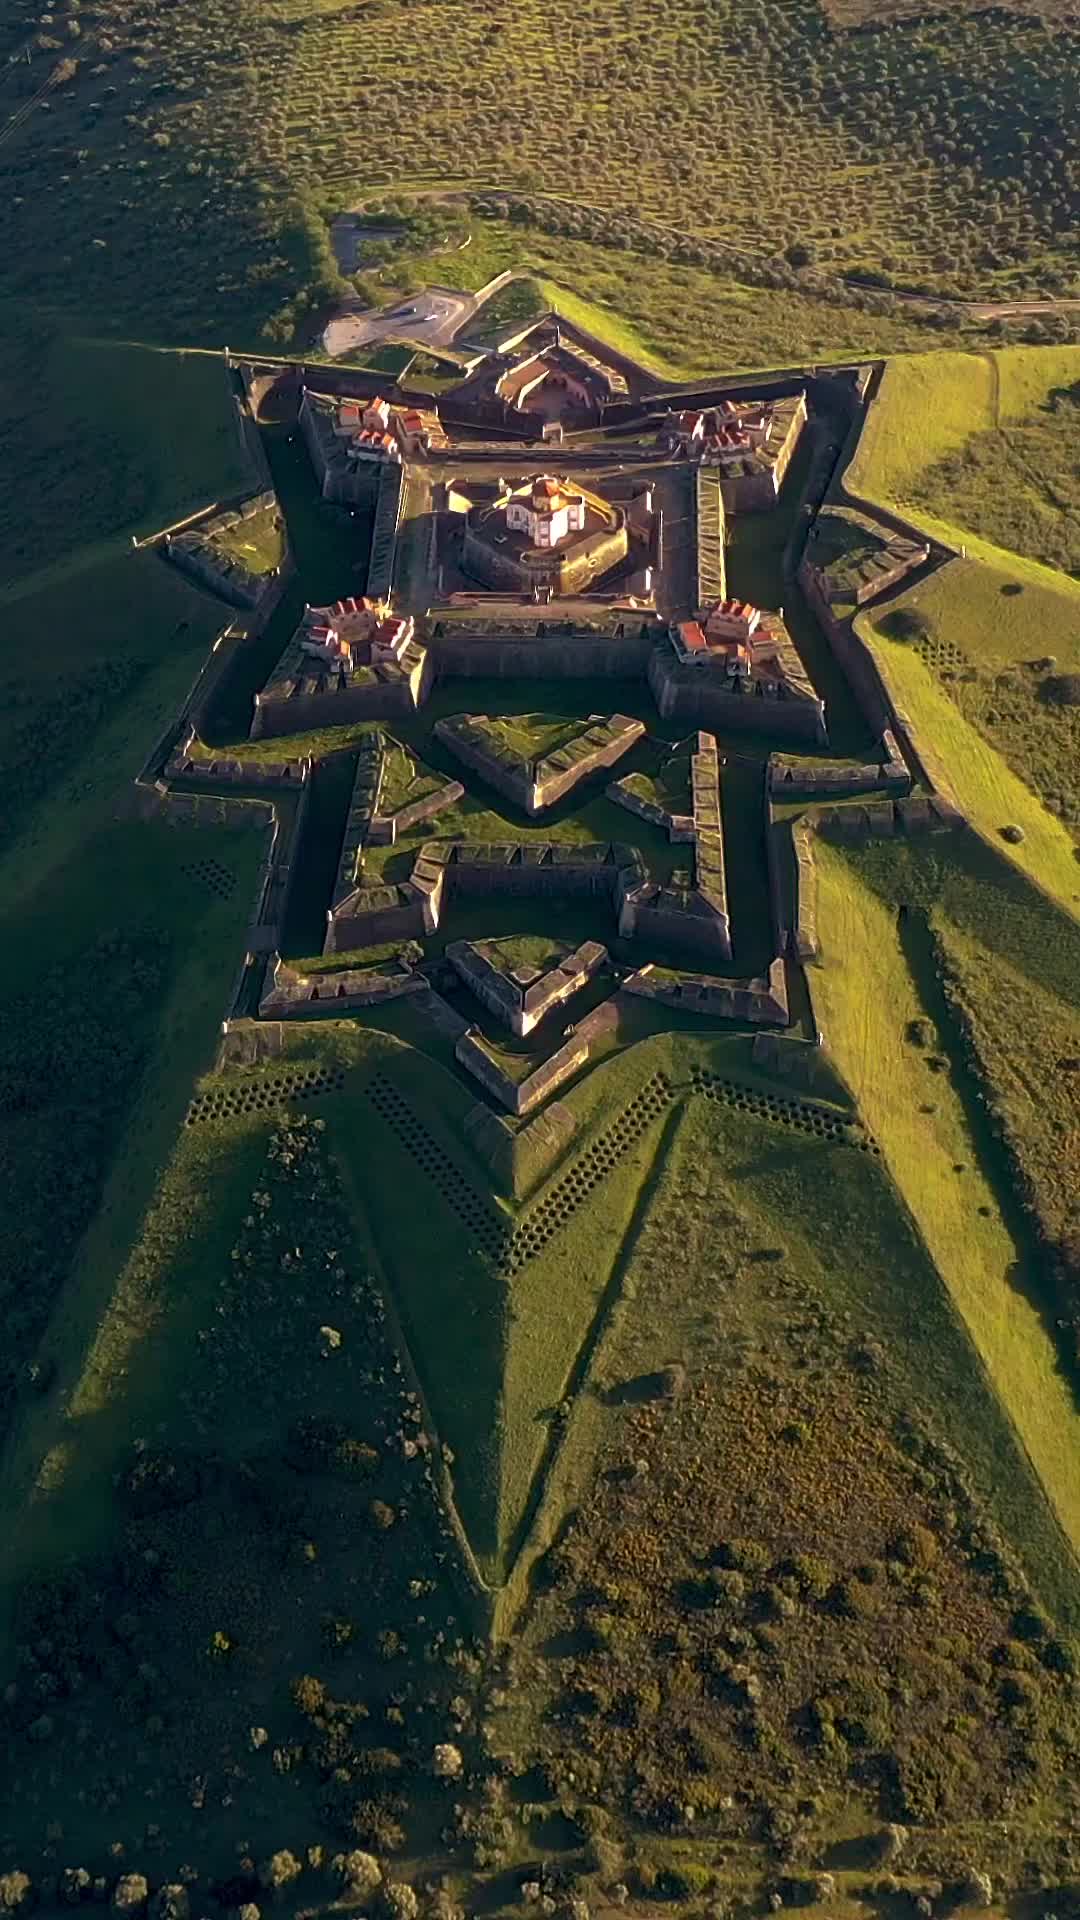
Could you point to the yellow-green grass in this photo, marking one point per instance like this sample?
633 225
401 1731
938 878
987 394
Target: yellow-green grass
989 793
1026 1063
257 541
110 439
679 322
1028 374
1001 608
929 404
865 997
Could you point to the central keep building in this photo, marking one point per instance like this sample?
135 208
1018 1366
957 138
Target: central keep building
546 538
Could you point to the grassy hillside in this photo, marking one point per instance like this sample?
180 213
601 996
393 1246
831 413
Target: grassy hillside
980 443
933 1137
171 168
991 794
253 1630
109 440
715 1613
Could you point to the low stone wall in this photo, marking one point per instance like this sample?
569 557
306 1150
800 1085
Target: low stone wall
407 817
293 995
508 656
522 1096
679 827
833 779
804 933
246 773
520 1157
762 1002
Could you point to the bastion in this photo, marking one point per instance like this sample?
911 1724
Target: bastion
536 783
521 996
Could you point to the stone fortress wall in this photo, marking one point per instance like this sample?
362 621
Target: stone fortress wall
863 673
536 785
220 573
522 1002
396 912
486 649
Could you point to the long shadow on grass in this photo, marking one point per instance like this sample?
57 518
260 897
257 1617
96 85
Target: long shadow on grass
1029 1273
587 1351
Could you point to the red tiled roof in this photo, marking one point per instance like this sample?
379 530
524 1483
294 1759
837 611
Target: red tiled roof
691 636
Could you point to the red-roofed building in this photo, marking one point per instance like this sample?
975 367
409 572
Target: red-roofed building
732 620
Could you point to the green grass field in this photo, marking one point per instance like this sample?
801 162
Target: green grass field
978 443
866 997
257 541
110 440
113 1014
990 793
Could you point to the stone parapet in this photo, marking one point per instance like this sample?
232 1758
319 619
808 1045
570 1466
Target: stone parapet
804 929
522 1096
291 994
522 1004
363 806
762 1001
534 784
182 766
837 779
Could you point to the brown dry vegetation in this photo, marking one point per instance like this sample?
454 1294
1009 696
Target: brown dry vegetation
780 1603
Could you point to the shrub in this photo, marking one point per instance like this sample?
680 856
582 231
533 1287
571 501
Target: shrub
359 1873
170 1903
400 1901
1062 690
129 1893
747 1556
279 1870
309 1695
907 624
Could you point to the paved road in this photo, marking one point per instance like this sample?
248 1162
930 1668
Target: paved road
432 317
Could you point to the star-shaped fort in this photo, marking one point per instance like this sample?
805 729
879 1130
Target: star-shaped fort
555 683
